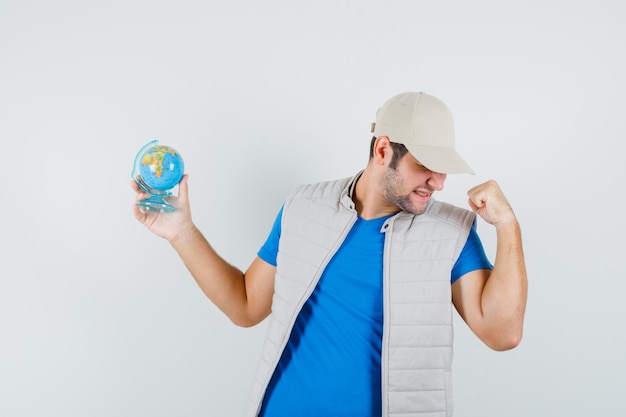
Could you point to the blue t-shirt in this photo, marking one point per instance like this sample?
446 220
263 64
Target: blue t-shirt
331 364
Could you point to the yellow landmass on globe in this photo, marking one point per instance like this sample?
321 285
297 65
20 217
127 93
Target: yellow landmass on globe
155 158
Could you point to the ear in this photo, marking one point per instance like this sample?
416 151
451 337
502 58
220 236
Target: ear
382 151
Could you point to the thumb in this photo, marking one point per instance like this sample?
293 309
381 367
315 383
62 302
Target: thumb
183 189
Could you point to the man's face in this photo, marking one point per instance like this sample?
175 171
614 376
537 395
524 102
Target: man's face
411 184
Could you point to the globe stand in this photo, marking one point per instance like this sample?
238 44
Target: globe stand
155 203
157 171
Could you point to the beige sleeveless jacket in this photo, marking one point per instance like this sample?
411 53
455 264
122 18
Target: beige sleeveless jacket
419 253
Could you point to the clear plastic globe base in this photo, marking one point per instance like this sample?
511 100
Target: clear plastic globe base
155 203
157 170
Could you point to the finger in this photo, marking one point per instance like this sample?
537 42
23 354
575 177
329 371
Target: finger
473 206
138 213
477 196
183 188
141 194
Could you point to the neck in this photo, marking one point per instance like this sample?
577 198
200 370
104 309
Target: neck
369 198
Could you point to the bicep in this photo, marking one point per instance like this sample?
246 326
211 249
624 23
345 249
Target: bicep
259 281
467 296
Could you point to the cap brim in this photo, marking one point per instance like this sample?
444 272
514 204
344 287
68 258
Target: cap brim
440 159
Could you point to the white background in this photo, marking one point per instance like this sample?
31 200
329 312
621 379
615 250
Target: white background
98 317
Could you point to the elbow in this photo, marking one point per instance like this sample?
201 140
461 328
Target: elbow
244 323
505 342
246 320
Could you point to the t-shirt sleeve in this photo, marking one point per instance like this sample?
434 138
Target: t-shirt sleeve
472 257
269 250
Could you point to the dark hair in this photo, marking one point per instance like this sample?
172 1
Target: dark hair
399 150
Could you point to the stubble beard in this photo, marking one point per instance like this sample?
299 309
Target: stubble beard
392 185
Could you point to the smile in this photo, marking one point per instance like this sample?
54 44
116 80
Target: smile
425 195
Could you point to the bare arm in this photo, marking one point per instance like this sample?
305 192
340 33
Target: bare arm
493 303
245 298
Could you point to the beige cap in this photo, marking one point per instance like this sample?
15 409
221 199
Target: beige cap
424 125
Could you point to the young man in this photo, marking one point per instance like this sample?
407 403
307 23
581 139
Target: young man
360 275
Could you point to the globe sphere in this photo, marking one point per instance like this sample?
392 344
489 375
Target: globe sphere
161 167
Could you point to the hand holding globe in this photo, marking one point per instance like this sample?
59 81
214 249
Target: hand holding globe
158 169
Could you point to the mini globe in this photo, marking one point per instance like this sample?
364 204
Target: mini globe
158 169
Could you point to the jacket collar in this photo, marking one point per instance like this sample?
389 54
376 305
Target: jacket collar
348 201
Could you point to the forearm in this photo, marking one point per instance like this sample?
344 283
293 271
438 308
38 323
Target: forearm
221 282
505 293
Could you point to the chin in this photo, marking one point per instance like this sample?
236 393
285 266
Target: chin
415 210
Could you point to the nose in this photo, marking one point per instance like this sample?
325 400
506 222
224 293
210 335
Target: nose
436 180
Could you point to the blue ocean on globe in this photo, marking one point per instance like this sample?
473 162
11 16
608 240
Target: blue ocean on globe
161 168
